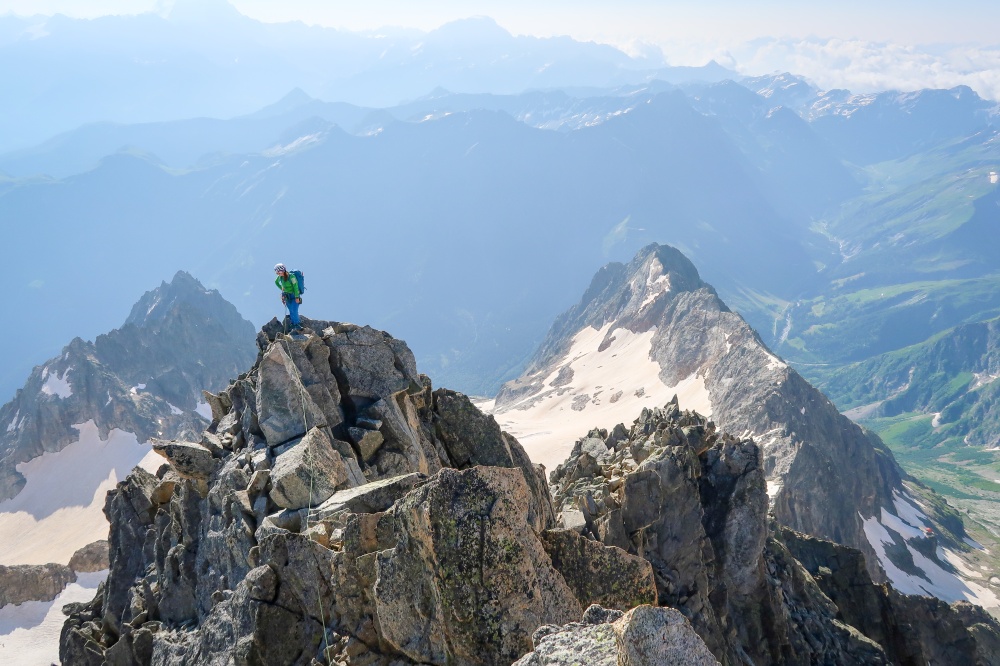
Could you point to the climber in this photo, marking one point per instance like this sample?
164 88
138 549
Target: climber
291 296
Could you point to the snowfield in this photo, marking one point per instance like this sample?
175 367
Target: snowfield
29 633
952 585
61 508
607 387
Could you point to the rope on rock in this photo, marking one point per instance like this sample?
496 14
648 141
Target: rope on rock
312 476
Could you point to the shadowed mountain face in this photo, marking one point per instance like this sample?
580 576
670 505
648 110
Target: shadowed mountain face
145 379
825 475
406 211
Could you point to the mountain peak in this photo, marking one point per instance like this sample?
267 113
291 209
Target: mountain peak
157 304
477 30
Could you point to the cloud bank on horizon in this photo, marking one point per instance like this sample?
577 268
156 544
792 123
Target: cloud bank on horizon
894 44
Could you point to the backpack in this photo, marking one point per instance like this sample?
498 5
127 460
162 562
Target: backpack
301 279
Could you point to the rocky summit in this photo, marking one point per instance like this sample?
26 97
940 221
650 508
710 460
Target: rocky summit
340 510
144 378
651 329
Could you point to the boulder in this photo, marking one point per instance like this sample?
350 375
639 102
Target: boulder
649 636
90 558
371 364
307 472
284 408
468 581
190 460
599 574
590 641
367 441
644 636
373 497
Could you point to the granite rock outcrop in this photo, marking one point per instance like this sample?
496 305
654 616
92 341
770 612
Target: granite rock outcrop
444 545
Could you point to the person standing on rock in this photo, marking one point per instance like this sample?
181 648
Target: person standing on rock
290 294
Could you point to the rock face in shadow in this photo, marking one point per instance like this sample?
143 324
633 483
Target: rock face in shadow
913 630
444 546
692 501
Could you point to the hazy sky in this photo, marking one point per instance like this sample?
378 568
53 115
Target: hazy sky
858 44
904 21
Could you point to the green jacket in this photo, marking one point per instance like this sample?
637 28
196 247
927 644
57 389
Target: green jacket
288 285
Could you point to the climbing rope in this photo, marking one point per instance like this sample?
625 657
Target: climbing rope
312 477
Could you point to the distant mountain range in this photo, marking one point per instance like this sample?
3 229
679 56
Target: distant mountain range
205 59
460 187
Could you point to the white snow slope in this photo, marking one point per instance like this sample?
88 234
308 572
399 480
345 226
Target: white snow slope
608 387
950 580
61 506
29 633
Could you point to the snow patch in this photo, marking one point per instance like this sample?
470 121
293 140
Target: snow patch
773 487
608 387
135 389
56 385
204 409
936 581
907 510
13 425
174 410
905 530
64 495
657 283
29 633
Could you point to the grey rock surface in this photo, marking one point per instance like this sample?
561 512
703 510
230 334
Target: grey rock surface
648 636
468 580
443 549
644 636
33 582
238 555
90 558
308 472
692 501
188 459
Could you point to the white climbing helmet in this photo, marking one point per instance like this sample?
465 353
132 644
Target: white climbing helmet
280 268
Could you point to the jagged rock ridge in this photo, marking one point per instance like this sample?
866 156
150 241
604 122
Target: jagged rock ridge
144 378
289 539
691 500
647 330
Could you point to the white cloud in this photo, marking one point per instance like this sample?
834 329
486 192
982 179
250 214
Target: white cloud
862 66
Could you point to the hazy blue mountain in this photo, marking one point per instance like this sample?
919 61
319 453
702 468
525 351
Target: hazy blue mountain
802 172
204 59
178 143
866 129
784 89
452 232
182 143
